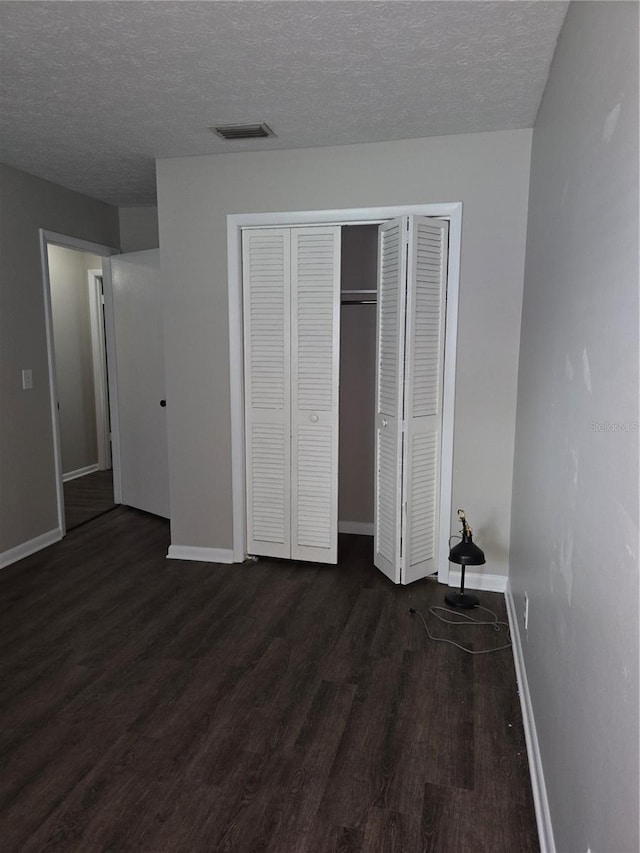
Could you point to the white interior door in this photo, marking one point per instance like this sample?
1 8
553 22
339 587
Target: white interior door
411 313
291 301
266 271
426 292
139 352
392 294
315 364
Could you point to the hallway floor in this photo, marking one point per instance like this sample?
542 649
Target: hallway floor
85 498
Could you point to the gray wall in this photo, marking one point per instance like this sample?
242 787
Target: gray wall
27 477
357 377
488 172
138 228
74 360
575 502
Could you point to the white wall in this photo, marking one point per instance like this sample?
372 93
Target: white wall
28 507
575 502
138 228
73 353
488 172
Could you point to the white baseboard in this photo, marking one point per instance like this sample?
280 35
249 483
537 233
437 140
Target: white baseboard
79 472
540 800
201 555
478 580
30 547
360 528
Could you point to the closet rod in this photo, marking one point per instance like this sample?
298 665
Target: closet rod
361 296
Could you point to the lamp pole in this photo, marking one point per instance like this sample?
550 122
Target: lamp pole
465 553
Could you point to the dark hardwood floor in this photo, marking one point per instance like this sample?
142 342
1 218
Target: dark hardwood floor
85 498
159 705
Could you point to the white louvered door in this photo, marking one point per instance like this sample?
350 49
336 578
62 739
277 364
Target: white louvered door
266 270
412 256
426 290
392 276
292 332
315 339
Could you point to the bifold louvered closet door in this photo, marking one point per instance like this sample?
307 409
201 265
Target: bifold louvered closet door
412 275
291 287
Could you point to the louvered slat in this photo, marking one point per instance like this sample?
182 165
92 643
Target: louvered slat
267 485
422 501
315 468
426 287
389 366
315 326
265 264
266 256
388 320
314 318
387 491
427 325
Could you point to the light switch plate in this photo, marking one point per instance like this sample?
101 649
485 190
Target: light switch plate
27 380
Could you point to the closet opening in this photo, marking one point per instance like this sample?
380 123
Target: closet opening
320 256
356 419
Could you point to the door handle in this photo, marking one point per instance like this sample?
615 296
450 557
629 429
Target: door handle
313 418
385 422
163 403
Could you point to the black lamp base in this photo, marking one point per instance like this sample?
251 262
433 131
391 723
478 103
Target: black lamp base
461 599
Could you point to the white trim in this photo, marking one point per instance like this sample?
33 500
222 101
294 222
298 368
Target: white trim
67 242
53 385
80 472
359 528
478 580
99 363
46 238
201 555
236 372
351 216
30 547
540 799
346 216
112 372
449 392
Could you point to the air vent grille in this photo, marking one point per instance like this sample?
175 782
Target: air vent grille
243 131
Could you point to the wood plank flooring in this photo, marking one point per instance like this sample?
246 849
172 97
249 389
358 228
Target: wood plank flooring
160 705
85 498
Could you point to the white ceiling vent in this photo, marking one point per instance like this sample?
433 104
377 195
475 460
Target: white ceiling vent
233 132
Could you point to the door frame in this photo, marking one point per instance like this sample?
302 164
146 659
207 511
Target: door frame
99 355
452 211
52 238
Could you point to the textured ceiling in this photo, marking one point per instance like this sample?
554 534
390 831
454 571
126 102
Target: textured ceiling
92 92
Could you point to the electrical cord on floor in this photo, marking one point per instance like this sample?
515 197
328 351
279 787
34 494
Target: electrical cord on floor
495 623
